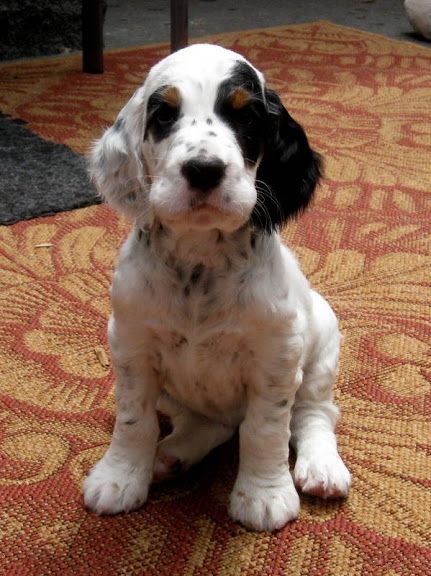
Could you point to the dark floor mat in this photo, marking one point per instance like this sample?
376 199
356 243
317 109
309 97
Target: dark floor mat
38 177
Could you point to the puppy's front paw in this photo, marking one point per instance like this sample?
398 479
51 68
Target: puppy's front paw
321 474
111 487
264 506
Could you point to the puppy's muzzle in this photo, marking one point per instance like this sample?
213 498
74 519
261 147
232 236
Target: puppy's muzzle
203 174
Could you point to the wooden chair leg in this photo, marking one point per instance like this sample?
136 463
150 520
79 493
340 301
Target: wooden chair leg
92 36
179 24
92 32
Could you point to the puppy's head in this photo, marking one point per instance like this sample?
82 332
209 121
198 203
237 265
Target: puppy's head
204 144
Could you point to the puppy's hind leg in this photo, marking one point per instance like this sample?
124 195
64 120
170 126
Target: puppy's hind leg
193 436
319 469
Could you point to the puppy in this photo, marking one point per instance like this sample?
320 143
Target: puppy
213 321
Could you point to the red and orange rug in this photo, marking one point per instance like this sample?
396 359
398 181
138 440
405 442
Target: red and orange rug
365 103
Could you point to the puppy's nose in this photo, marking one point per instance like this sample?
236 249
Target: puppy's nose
203 174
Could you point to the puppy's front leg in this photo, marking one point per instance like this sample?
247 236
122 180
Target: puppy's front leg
264 496
120 480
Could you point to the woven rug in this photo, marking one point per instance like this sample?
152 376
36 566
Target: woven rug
365 244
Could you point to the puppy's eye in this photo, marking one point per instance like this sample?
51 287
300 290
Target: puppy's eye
244 116
165 114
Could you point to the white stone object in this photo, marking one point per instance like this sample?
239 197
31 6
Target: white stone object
419 14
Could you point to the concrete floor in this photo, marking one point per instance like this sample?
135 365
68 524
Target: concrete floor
134 22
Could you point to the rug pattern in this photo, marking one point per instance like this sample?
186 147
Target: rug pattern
365 244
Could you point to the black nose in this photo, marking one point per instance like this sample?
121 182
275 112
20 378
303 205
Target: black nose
203 174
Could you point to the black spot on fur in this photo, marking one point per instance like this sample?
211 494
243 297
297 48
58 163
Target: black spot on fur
209 121
179 272
283 403
162 231
196 273
179 341
144 234
149 286
195 276
118 124
131 422
211 133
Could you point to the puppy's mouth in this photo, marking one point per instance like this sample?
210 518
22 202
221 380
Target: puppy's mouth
204 216
205 211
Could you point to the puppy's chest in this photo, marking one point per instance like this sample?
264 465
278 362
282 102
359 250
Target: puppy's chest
201 343
197 299
208 375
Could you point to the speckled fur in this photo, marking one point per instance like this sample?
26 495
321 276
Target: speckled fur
213 321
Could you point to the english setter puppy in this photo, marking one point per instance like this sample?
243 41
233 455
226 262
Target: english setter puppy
213 322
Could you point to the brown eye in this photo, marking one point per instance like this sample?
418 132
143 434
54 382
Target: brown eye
244 116
165 115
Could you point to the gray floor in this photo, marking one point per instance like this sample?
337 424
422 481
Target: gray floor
134 22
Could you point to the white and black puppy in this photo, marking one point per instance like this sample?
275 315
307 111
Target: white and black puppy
213 321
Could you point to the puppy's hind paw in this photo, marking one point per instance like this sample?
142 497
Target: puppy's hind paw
167 466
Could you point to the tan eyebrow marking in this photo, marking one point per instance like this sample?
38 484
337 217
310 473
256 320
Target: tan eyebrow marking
239 98
171 96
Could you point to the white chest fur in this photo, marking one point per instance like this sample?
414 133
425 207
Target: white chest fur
204 326
208 375
200 343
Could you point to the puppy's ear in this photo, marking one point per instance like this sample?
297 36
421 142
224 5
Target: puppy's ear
289 170
116 161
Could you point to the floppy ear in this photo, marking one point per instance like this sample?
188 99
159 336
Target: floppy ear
289 170
116 161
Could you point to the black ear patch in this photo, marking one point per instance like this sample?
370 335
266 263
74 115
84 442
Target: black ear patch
288 172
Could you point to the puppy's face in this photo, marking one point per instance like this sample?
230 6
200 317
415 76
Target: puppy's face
203 145
203 138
